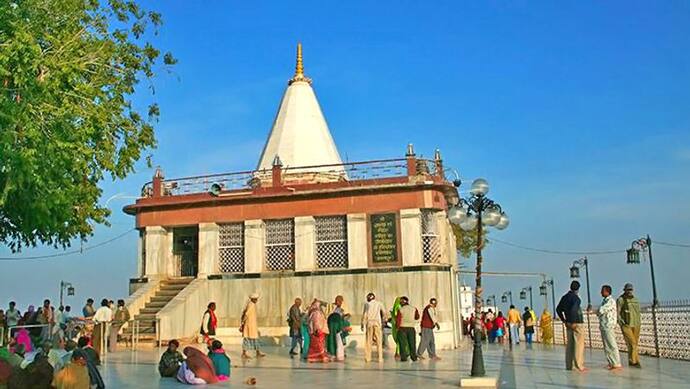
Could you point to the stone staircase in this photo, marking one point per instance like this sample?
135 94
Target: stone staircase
147 316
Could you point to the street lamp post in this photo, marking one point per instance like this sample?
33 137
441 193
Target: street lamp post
70 290
523 295
575 273
633 257
472 213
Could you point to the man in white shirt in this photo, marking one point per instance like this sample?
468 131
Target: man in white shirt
103 316
12 316
608 319
371 324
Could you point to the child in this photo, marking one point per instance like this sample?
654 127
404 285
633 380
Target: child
221 362
170 360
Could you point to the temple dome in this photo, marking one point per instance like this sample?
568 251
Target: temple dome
300 135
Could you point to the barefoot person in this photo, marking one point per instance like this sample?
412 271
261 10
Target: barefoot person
608 318
250 328
629 319
570 313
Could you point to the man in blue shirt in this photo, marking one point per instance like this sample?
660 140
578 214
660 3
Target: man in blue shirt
570 313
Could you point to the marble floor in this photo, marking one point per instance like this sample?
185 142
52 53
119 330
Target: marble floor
538 367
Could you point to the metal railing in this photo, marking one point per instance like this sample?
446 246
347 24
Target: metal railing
673 319
351 171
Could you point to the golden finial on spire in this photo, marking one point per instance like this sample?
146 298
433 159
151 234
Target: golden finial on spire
299 67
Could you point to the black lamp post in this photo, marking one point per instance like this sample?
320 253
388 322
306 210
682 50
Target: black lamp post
575 273
507 295
473 213
633 257
70 290
523 295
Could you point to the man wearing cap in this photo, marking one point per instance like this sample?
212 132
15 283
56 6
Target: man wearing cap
630 321
250 328
371 324
570 313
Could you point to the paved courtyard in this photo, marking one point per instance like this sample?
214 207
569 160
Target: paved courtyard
539 367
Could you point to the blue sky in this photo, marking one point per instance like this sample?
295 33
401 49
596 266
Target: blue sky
577 114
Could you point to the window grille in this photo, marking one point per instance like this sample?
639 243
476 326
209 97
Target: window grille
431 246
231 248
331 242
280 244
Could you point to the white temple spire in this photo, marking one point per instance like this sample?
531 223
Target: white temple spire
299 134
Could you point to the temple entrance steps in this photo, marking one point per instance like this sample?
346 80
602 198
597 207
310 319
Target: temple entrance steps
146 317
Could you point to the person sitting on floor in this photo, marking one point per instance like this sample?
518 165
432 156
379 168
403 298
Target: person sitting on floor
75 375
221 361
197 369
170 360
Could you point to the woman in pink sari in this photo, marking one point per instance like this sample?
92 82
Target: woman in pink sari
318 329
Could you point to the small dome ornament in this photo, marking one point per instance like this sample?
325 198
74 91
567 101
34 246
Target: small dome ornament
299 68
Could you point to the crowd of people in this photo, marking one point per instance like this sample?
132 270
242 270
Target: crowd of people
54 348
496 327
318 334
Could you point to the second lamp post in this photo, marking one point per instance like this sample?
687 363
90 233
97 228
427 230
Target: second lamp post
575 273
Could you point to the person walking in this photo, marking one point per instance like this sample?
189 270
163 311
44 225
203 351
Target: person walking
406 321
499 327
545 325
209 323
295 323
429 323
250 328
630 320
120 318
570 313
608 318
528 321
514 321
372 326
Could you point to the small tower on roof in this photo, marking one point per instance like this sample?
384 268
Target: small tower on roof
300 135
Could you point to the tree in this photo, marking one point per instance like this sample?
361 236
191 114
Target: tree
466 241
68 72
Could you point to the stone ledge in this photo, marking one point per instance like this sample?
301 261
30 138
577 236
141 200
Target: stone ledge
479 382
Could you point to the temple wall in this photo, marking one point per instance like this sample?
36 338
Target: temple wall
181 317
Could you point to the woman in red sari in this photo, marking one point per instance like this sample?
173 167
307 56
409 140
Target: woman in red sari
209 323
318 329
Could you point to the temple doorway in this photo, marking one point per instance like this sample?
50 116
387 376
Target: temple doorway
186 250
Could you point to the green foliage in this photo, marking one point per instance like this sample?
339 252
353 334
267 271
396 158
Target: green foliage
466 241
68 71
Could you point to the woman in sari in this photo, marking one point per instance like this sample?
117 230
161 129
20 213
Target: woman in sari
546 327
394 327
318 329
338 328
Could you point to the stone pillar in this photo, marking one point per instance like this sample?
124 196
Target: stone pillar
357 241
305 243
208 249
411 236
158 252
254 246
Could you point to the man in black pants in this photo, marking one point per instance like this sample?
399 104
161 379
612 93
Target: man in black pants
406 321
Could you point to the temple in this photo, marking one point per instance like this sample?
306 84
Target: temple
303 223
